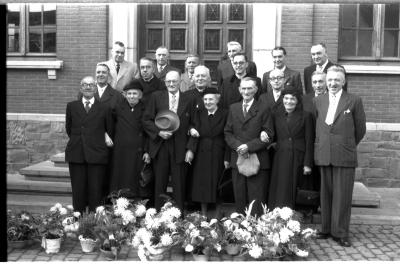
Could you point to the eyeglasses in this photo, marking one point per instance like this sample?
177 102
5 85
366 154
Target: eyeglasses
239 63
171 81
88 85
276 78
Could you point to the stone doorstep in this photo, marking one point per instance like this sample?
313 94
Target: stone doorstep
18 183
59 160
42 203
45 168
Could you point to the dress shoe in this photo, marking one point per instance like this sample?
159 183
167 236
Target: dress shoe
322 235
343 241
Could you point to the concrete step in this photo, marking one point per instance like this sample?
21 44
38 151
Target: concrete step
59 160
45 171
362 196
36 203
19 184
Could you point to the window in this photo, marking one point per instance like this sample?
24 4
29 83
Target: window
31 29
369 32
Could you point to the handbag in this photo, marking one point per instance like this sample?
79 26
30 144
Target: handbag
225 186
146 175
307 197
248 165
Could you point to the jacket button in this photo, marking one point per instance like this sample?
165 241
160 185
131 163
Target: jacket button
290 139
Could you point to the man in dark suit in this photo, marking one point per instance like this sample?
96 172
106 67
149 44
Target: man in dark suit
318 81
229 88
292 77
105 93
187 78
340 126
272 99
242 130
225 68
162 66
168 149
87 121
150 83
321 63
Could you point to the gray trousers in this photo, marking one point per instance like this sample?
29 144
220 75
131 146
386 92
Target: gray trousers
336 196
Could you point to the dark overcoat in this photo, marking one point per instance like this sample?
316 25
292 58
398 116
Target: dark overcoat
210 152
294 149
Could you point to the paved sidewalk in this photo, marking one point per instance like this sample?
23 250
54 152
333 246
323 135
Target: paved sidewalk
370 242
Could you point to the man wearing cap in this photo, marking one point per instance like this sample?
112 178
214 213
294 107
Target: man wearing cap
242 130
87 121
121 71
148 80
129 151
168 139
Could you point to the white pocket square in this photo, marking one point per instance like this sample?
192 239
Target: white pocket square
347 111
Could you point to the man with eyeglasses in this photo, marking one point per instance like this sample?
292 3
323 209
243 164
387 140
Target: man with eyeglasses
272 99
225 67
229 88
150 83
87 122
168 149
292 77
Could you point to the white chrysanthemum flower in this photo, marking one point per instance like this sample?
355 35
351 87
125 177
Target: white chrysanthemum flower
140 210
63 211
171 226
301 253
75 227
204 224
191 226
213 221
144 236
58 206
122 203
70 207
227 223
285 234
194 233
234 215
285 213
151 212
214 234
175 212
308 232
166 240
24 217
245 223
53 209
77 214
118 211
218 247
255 251
189 248
294 226
127 217
276 239
100 209
142 253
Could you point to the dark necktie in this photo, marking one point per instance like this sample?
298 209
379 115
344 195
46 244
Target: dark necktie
117 68
87 106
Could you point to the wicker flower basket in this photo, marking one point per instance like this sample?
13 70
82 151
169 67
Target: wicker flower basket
87 244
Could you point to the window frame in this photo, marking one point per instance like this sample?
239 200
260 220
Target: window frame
377 37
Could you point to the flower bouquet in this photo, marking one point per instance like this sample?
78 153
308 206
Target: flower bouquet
199 236
276 234
22 229
71 223
158 232
87 236
234 234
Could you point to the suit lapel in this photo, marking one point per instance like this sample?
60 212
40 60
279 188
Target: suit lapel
181 104
341 105
122 69
325 105
252 111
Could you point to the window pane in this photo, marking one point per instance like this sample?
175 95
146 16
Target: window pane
236 12
391 43
13 22
366 16
49 41
213 13
348 43
154 12
35 14
236 35
212 39
13 14
392 16
178 39
34 42
365 43
212 65
178 12
154 38
13 40
49 15
349 16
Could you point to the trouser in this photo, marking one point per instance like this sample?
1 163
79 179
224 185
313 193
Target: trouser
88 182
336 197
246 189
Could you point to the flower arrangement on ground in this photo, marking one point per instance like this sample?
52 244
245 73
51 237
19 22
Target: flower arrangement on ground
71 223
200 236
22 226
158 232
86 231
51 226
234 234
277 233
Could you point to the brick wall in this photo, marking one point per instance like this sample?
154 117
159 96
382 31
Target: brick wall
81 43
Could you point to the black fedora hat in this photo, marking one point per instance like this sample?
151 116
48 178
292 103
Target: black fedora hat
167 120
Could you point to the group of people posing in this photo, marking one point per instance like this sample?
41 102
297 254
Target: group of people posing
274 136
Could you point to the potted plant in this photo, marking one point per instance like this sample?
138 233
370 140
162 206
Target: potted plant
86 231
51 228
200 237
22 229
71 223
158 232
234 234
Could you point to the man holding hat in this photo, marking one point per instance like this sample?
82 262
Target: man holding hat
129 141
166 121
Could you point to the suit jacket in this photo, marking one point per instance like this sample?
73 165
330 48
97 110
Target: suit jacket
225 70
164 71
229 90
267 99
337 144
155 84
127 72
158 102
110 97
292 77
186 83
307 77
86 133
240 130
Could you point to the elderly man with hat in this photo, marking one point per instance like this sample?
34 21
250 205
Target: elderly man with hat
294 134
166 121
129 151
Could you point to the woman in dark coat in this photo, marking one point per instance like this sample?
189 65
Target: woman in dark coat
294 137
209 150
129 142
